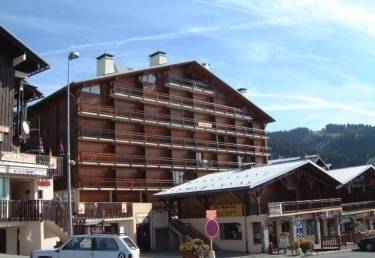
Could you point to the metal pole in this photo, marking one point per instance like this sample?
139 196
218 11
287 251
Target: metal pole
69 177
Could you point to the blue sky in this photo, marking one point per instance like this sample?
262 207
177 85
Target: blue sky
306 62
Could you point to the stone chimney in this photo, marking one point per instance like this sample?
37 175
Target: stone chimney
158 58
105 64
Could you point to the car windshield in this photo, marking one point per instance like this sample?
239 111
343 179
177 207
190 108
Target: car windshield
130 243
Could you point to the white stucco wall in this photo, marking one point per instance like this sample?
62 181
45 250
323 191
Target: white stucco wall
235 245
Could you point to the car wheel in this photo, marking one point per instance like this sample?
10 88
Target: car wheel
369 247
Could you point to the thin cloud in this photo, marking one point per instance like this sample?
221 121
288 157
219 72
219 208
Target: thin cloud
310 12
313 103
155 37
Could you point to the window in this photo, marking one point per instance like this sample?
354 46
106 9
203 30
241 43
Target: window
40 194
257 233
178 177
148 78
105 244
79 243
130 243
230 231
95 89
310 227
3 188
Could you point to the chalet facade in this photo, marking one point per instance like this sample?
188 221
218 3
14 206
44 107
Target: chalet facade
257 207
136 132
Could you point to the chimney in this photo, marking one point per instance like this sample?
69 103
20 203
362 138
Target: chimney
207 66
243 91
158 58
105 64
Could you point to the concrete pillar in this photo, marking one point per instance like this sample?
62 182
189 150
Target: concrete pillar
318 234
338 225
294 229
265 237
325 227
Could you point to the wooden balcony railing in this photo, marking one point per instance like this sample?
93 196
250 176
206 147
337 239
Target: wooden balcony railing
122 114
105 159
43 210
357 206
281 208
170 142
180 102
127 184
189 84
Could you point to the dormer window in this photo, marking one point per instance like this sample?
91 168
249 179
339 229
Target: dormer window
148 78
95 89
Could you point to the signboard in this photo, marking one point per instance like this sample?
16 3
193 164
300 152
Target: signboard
81 208
212 228
18 157
211 215
228 210
299 227
275 208
52 162
27 171
4 129
285 242
43 182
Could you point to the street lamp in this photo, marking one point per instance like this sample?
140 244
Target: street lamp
72 55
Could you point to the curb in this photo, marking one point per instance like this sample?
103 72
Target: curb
331 252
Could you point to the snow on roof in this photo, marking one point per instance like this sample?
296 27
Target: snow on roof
345 175
236 179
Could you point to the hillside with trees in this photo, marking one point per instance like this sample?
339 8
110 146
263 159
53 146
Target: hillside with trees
340 145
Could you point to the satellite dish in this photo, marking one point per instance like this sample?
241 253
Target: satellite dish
25 127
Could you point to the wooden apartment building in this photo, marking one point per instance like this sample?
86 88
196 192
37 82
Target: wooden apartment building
135 132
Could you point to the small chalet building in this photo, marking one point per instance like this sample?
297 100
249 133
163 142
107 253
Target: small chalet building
255 205
357 190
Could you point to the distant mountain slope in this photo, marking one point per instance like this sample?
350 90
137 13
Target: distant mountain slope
340 145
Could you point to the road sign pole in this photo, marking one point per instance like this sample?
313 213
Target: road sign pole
211 254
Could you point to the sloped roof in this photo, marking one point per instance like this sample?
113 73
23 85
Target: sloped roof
262 113
345 175
314 158
238 178
15 47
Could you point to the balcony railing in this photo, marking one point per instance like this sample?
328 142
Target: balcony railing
169 142
39 210
168 121
125 184
180 102
358 206
103 159
191 85
282 208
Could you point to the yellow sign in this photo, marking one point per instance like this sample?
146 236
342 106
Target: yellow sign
228 210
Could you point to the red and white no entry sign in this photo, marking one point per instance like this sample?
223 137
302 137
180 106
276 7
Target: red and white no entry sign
212 228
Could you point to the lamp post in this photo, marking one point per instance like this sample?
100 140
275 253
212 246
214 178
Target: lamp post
72 55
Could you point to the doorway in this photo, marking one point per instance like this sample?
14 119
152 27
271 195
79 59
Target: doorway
143 236
3 240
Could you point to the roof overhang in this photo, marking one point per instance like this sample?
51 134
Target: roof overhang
15 48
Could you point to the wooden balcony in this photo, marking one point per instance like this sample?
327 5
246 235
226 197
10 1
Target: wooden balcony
113 160
276 209
178 102
180 83
118 114
100 183
358 207
43 210
122 137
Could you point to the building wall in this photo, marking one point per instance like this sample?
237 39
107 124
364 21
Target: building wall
247 233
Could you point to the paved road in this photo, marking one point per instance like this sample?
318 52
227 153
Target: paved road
340 254
345 254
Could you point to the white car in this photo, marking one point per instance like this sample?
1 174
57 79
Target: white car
93 246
